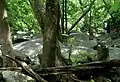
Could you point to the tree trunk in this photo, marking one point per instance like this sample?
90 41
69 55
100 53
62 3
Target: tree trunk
102 54
5 36
50 36
39 11
91 36
50 33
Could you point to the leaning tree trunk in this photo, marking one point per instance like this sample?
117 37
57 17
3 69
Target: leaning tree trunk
39 11
5 36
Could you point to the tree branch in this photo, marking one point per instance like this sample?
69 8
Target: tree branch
81 17
28 69
17 69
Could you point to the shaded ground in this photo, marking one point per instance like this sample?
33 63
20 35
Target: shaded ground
81 48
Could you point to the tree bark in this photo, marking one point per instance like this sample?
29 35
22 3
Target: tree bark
66 16
39 11
62 18
5 36
50 33
50 37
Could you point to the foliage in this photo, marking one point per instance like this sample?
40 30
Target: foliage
82 57
115 7
97 15
92 80
21 16
115 11
77 8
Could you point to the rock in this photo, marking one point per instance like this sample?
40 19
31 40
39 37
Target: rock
81 48
34 47
114 53
82 39
31 48
22 57
116 42
11 76
82 36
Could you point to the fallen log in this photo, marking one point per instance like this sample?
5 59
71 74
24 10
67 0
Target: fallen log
105 68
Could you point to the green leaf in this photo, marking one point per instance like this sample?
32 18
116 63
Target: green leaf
115 7
92 80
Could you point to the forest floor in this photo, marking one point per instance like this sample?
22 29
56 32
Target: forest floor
81 48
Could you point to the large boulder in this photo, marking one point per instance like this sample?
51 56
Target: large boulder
11 76
31 48
82 39
80 47
28 48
